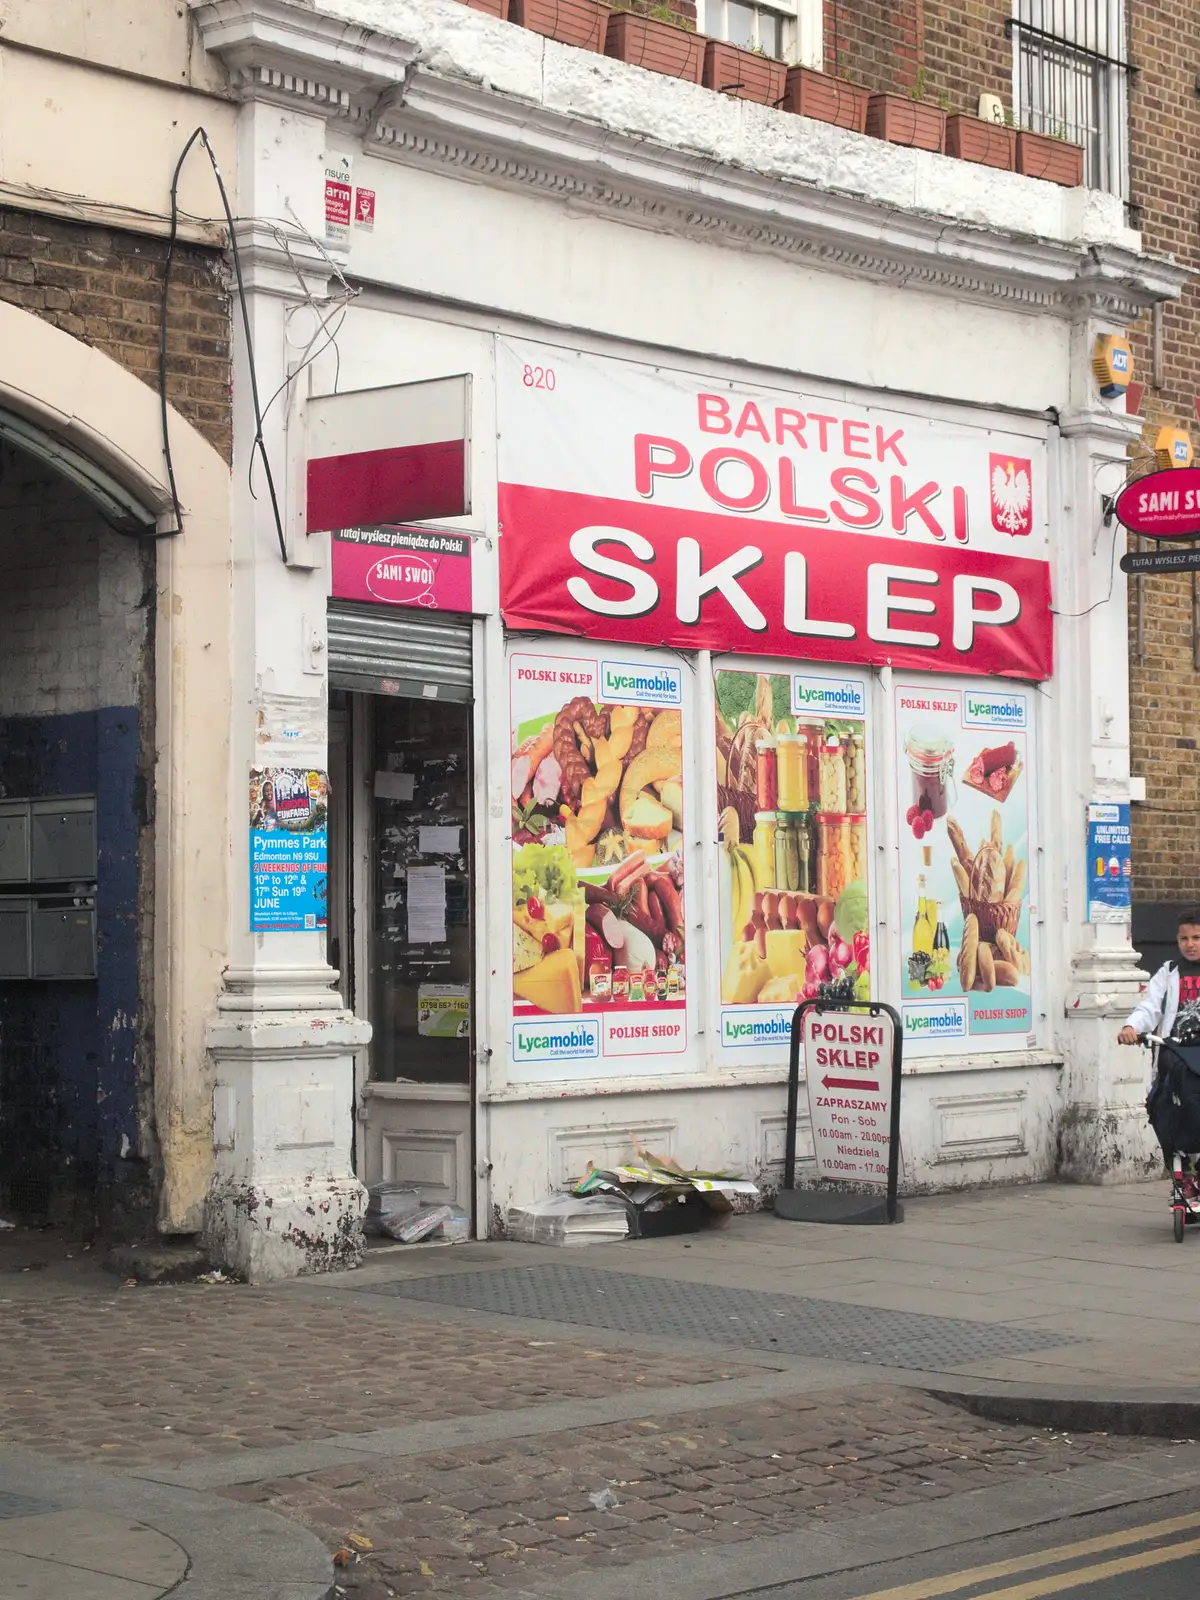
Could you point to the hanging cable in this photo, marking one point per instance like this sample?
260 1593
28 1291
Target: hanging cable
1107 519
258 445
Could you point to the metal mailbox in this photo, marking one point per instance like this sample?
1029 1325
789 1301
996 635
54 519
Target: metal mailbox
15 927
14 841
63 941
49 935
62 839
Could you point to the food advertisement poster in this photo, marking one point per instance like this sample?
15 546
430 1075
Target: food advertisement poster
963 787
289 812
599 952
793 873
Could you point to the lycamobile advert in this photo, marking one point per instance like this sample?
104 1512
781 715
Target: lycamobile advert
597 869
792 792
962 755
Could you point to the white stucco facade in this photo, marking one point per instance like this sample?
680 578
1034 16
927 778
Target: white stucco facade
524 191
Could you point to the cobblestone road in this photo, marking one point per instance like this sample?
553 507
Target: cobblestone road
477 1522
161 1375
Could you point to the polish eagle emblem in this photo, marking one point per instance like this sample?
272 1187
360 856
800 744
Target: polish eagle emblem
1011 495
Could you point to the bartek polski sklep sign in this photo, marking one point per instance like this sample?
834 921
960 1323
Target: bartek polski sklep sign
658 507
848 1065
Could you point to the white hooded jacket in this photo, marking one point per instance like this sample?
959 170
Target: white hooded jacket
1155 1011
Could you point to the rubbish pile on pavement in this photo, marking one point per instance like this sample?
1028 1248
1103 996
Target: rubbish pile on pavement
397 1212
569 1220
648 1200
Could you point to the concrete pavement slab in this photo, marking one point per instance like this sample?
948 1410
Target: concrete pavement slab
234 1552
113 1546
40 1578
332 1399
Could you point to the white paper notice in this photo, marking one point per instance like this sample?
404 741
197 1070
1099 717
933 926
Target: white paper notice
438 841
394 785
426 905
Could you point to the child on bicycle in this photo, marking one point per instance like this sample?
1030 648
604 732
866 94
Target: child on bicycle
1170 1005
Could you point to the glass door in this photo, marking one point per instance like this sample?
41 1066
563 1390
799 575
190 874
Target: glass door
421 934
402 926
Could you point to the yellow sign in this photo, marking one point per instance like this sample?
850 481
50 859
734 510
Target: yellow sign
1172 448
1112 362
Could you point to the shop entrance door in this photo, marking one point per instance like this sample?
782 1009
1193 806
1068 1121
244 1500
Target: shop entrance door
400 926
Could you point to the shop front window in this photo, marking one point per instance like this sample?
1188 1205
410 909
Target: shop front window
792 791
963 798
601 949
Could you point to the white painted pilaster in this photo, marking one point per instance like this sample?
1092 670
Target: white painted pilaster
1103 1134
285 1199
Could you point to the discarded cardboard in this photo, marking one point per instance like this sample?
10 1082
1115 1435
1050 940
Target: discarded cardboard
664 1198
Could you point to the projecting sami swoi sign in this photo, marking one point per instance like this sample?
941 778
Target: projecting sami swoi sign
1163 505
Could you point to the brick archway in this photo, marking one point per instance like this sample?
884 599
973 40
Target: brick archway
77 395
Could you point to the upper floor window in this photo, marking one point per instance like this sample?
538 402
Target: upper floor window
1070 79
787 29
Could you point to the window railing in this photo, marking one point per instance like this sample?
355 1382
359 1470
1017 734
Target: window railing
1071 80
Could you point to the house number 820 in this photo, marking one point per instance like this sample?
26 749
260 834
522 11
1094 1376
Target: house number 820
538 377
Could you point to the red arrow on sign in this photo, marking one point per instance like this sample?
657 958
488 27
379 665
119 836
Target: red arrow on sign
850 1083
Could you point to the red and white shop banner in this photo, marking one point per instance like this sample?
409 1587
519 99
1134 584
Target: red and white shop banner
395 454
607 569
655 507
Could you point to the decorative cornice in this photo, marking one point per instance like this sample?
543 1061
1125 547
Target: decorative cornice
1115 429
412 114
286 52
279 258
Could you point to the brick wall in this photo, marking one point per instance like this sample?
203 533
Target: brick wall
104 286
967 53
876 43
1164 683
951 50
945 51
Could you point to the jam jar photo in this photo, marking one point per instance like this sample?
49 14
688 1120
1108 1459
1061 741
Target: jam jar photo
930 756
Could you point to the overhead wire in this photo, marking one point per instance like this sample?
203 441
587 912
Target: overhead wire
1107 518
258 444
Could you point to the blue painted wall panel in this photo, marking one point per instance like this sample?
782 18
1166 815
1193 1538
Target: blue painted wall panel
68 1075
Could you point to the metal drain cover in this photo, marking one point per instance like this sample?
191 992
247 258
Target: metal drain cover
785 1323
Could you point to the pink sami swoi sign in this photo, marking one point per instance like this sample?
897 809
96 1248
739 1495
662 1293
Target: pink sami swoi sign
1163 505
403 567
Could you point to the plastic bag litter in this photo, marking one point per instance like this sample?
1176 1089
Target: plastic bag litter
409 1229
397 1201
568 1219
457 1227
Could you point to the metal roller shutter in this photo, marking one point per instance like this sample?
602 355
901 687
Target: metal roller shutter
386 650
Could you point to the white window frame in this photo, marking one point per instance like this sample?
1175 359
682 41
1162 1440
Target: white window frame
803 37
1110 154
